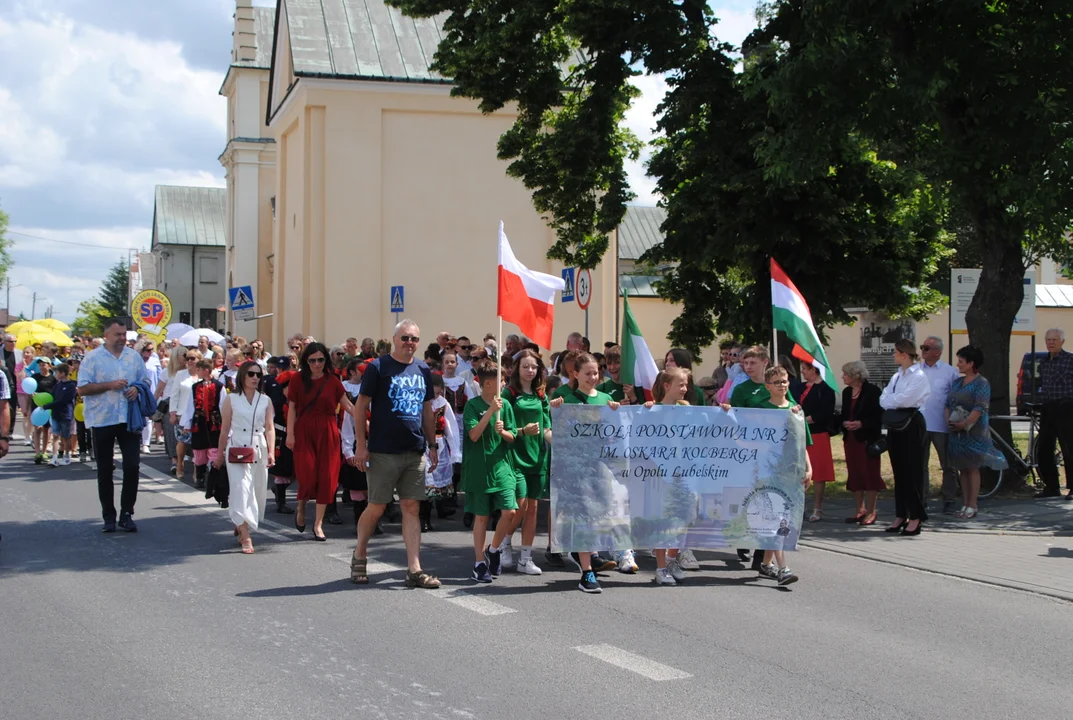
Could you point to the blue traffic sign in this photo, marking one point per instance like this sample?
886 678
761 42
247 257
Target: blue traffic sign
397 298
568 278
241 297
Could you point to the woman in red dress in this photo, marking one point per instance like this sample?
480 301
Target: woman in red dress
313 434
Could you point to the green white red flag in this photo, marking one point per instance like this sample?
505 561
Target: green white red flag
638 366
790 314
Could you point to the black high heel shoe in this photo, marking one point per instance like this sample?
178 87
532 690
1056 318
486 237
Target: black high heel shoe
299 528
896 528
909 533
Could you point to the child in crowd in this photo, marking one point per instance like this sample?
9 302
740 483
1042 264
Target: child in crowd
202 419
567 366
582 391
439 483
351 479
620 393
525 395
488 476
46 382
63 409
778 386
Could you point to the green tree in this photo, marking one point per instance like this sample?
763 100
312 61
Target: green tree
5 246
114 297
974 95
90 318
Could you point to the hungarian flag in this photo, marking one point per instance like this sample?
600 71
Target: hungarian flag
526 297
790 314
638 367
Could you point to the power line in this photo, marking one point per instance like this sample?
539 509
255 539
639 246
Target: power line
71 242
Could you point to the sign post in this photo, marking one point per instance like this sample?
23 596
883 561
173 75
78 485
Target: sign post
242 307
584 294
397 300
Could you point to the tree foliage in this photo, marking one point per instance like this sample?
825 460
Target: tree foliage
5 247
114 297
89 319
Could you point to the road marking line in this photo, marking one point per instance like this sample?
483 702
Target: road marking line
197 499
462 598
634 663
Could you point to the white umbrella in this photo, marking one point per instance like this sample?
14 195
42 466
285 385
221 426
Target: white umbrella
190 339
178 329
132 334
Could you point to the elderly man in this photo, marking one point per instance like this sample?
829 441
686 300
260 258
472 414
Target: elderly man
574 342
940 377
401 427
513 347
1056 414
106 380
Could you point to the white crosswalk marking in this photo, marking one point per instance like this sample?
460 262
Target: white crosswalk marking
634 663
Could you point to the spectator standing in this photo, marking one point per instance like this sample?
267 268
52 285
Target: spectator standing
401 428
862 425
1056 415
817 401
940 378
106 380
905 394
9 358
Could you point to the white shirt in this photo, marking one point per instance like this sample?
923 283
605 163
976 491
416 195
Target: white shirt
908 388
181 387
940 377
348 438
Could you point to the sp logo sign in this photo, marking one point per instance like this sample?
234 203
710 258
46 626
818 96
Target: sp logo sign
151 307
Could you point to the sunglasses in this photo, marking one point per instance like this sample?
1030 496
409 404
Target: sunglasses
190 359
925 348
253 375
295 347
466 347
409 338
338 354
316 361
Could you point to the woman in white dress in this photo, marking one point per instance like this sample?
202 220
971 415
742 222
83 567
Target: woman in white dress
247 423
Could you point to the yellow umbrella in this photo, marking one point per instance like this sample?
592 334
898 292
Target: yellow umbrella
31 337
54 324
27 325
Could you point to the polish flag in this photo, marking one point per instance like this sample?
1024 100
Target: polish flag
526 297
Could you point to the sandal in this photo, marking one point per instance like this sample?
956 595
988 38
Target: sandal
421 579
970 513
816 516
961 513
359 570
247 546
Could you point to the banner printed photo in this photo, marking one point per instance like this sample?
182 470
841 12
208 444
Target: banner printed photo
676 476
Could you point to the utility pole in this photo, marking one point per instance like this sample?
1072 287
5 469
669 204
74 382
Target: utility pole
33 309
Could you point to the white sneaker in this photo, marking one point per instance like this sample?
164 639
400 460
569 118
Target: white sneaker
526 566
53 462
675 570
687 561
145 449
664 577
626 562
507 557
66 460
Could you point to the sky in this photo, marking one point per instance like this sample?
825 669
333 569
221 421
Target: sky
102 100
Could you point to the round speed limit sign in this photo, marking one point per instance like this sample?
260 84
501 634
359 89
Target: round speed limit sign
583 289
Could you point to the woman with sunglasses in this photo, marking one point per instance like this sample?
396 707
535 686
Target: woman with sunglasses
247 423
181 388
176 365
313 434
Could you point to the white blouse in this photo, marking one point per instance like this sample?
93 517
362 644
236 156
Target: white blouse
908 388
181 386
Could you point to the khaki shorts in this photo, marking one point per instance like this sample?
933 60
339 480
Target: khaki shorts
391 473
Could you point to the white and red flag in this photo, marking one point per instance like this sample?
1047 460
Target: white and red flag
526 297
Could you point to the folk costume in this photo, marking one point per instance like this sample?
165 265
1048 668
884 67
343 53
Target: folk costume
202 416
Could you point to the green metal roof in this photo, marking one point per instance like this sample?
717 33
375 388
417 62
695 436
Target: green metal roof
639 231
638 285
189 216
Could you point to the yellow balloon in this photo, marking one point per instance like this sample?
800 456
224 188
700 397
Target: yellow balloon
80 412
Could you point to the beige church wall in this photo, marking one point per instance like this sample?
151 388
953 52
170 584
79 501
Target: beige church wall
265 298
403 188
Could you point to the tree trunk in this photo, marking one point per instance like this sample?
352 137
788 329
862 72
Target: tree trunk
990 316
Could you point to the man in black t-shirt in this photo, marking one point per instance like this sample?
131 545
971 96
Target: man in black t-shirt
396 395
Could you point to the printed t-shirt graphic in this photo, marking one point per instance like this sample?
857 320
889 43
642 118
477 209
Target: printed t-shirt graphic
398 392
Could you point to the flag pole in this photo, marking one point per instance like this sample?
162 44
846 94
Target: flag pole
499 360
774 330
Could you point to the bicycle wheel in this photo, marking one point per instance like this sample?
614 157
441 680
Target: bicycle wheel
991 480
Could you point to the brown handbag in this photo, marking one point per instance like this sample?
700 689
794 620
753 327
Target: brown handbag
245 455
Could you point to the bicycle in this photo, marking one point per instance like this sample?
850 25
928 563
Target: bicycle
1022 466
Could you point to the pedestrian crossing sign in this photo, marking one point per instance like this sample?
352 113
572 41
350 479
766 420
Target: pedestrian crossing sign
397 299
242 302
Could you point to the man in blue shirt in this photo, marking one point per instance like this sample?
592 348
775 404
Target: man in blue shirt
106 380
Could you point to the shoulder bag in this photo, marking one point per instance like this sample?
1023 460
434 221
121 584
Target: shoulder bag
244 455
898 419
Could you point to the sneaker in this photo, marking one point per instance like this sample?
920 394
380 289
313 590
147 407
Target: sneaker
54 461
145 449
172 469
769 571
526 566
109 526
66 459
600 563
626 562
126 522
687 561
554 559
786 577
481 574
38 459
507 552
675 570
664 577
28 442
589 583
494 558
81 458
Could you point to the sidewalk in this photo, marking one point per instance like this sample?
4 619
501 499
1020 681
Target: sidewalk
1020 544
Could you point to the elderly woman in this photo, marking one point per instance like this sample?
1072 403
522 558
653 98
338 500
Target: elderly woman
861 423
907 433
969 445
182 384
817 401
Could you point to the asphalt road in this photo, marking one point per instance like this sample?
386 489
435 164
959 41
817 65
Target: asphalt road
173 622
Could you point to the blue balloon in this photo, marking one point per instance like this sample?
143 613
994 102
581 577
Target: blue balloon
29 386
40 417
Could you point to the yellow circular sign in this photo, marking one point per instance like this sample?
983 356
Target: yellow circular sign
151 307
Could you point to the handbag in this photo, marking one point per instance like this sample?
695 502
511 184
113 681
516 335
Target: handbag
245 455
898 420
877 448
